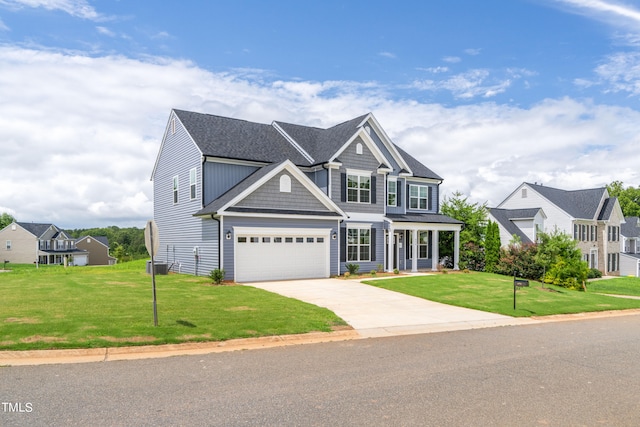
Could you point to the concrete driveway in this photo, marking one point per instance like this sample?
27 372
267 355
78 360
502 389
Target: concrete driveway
376 312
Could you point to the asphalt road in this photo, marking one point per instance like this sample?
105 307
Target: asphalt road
573 373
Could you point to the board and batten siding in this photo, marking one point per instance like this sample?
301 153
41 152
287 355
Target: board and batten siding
221 177
270 223
268 195
179 230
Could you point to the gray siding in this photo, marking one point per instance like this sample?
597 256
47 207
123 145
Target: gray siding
434 196
320 178
367 266
366 162
392 163
220 177
230 222
269 196
179 230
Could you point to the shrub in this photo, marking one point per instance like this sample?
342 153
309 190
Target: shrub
380 268
521 259
347 275
594 273
373 273
353 268
217 276
396 271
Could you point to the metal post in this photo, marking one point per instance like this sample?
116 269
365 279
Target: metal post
153 280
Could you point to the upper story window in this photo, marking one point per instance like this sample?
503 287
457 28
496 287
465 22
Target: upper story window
192 183
392 192
175 190
419 197
285 184
358 188
8 245
613 234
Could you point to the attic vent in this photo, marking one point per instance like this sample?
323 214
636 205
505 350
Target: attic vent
13 227
524 193
173 126
358 148
285 184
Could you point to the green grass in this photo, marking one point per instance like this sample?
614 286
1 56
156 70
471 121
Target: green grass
84 307
494 293
617 286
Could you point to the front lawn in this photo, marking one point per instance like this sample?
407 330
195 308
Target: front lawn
617 286
80 307
494 293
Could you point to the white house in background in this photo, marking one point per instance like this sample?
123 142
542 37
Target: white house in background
630 247
590 216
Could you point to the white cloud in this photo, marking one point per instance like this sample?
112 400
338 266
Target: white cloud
77 8
470 84
452 59
3 26
105 31
81 133
606 9
473 52
387 55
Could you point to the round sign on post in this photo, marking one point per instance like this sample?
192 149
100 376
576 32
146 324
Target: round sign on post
151 238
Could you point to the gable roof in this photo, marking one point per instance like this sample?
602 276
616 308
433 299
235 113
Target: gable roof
226 202
505 218
104 240
37 229
225 137
630 228
580 204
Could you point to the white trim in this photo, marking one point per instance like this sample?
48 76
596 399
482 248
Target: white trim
293 142
387 142
371 145
358 172
419 180
365 217
213 159
268 215
271 231
299 175
164 139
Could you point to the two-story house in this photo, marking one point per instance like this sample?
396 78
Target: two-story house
284 201
590 216
28 242
98 248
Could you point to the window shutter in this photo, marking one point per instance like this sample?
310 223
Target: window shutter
429 196
343 244
373 189
343 187
399 195
373 244
408 192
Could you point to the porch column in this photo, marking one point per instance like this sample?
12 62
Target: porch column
414 251
390 249
456 249
435 252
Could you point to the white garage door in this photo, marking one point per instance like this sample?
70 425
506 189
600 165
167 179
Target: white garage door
268 254
80 260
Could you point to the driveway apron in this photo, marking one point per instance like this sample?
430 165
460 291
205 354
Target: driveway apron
377 312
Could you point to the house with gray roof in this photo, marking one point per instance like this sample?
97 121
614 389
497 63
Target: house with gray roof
630 247
590 216
98 249
287 201
38 243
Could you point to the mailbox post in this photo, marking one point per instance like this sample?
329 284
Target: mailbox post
518 283
152 243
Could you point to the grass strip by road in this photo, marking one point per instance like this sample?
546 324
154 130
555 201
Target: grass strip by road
494 293
86 307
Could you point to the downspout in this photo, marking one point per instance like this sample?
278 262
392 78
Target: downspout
220 240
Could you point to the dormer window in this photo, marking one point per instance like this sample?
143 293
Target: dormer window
358 148
285 184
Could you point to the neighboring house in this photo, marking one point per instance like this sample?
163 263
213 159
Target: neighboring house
590 216
630 247
98 249
284 201
26 243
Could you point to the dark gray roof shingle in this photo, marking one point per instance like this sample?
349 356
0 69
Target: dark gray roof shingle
630 228
580 204
505 218
37 229
428 218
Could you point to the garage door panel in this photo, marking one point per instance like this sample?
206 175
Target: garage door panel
269 257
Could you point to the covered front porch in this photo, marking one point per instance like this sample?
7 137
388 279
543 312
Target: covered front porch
412 241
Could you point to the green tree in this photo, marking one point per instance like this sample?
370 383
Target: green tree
5 219
492 247
474 217
629 198
559 255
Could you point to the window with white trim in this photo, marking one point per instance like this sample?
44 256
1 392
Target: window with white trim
8 245
423 245
175 190
358 188
418 197
192 183
358 244
392 192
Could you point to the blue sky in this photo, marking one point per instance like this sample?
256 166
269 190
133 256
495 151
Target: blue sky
486 93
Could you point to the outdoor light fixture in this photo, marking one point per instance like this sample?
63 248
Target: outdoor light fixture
334 236
228 235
